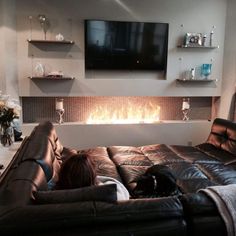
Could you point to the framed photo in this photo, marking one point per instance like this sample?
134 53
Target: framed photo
193 39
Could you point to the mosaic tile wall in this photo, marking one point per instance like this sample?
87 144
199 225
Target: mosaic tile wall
78 109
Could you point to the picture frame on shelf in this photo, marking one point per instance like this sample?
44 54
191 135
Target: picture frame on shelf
193 39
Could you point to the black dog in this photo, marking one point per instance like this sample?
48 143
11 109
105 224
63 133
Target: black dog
158 181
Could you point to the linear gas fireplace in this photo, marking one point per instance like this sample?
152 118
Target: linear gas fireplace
115 110
130 112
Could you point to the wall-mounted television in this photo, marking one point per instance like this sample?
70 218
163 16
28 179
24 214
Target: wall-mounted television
118 45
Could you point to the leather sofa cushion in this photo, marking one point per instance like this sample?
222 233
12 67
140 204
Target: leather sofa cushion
220 174
193 185
223 135
106 193
127 155
104 165
230 144
161 154
217 154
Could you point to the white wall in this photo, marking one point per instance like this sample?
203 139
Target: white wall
1 48
8 48
226 107
86 136
196 16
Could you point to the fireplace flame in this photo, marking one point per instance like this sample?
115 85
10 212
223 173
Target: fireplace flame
125 115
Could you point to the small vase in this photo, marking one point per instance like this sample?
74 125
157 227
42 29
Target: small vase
7 135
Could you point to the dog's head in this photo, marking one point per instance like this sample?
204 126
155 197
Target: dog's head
165 185
158 181
145 186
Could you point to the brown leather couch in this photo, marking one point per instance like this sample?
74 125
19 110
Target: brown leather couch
37 162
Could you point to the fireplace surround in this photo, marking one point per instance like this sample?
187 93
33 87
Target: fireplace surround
111 109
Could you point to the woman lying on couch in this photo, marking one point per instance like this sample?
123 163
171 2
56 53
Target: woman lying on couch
79 171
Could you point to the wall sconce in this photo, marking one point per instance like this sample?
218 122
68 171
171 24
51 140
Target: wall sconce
60 109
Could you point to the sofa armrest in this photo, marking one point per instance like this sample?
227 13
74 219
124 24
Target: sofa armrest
223 135
197 204
141 209
202 215
163 213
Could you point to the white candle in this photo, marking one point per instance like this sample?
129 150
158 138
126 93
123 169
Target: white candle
59 104
185 105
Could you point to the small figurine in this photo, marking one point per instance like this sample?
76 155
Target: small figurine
59 37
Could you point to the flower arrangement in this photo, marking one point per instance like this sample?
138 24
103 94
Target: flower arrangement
9 110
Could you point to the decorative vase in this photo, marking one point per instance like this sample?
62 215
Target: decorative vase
206 70
39 69
7 135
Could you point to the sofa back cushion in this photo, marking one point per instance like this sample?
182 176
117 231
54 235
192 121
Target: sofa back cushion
223 135
103 193
104 165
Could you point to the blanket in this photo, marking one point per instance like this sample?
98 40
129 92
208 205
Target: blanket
225 200
122 192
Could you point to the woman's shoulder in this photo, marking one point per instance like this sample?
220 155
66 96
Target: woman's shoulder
103 178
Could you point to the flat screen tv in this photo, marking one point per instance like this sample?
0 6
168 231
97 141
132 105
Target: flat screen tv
117 45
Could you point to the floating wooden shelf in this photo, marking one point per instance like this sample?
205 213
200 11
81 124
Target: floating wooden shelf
50 41
51 78
203 47
196 80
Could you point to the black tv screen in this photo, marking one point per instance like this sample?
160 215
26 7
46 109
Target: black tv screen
115 45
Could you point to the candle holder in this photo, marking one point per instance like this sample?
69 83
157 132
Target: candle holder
44 22
60 114
60 110
186 108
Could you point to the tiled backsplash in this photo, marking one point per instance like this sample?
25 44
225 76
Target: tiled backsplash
78 109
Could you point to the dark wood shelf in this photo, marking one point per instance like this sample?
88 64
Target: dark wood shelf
50 41
51 78
202 47
196 80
